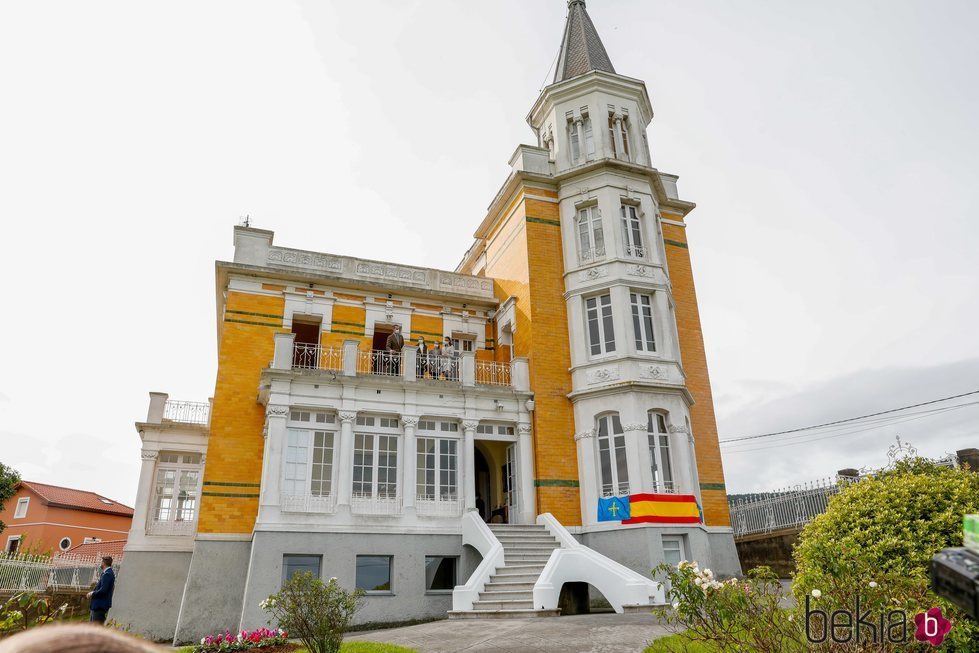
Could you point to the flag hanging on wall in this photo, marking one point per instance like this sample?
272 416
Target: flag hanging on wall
663 509
613 508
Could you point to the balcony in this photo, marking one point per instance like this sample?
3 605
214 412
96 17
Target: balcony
187 412
351 361
309 504
170 527
371 505
430 506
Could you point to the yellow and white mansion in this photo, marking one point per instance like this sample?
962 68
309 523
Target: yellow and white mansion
565 443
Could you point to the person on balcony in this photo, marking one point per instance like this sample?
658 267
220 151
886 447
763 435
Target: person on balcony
421 362
450 359
393 346
435 360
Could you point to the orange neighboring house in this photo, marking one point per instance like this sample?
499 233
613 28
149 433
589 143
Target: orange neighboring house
50 519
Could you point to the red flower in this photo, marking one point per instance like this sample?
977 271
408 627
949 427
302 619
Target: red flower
932 626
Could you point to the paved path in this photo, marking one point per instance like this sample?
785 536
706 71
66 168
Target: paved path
587 633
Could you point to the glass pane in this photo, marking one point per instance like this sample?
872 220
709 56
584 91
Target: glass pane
599 236
440 573
636 324
291 564
374 573
672 551
664 457
609 331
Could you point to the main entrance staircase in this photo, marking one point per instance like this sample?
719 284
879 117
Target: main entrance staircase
525 566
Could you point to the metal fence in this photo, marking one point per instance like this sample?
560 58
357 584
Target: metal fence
188 412
796 506
26 572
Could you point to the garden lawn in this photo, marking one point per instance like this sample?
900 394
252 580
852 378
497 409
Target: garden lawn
681 642
346 647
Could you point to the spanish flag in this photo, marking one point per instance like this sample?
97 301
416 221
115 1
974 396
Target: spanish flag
663 509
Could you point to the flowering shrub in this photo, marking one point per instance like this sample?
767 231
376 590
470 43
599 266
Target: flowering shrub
244 640
730 615
26 610
317 613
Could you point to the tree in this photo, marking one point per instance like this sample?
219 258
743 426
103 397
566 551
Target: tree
9 478
877 538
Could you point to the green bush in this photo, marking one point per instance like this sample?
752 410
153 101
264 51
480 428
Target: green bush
877 538
317 613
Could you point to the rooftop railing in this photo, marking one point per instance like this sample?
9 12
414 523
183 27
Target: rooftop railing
187 412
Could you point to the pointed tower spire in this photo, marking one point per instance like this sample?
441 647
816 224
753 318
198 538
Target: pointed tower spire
581 48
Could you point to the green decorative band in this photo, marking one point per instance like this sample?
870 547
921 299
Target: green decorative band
268 324
349 333
676 243
228 310
712 486
553 223
223 484
229 495
555 482
356 324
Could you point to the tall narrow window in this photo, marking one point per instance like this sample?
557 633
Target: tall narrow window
321 476
659 452
375 466
21 511
177 488
589 139
575 145
632 231
642 321
591 240
623 125
611 133
297 463
437 469
601 335
613 465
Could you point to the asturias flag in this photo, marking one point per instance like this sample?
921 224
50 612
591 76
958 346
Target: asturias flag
613 508
663 509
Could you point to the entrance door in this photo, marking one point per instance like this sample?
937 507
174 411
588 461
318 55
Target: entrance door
510 483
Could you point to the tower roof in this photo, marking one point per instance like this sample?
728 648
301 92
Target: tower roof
581 48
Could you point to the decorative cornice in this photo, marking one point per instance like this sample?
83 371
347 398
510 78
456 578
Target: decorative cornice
347 416
469 426
651 372
678 429
277 411
409 420
149 455
603 374
635 426
583 435
523 429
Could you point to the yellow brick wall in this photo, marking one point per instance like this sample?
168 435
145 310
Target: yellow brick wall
233 470
698 381
426 326
348 324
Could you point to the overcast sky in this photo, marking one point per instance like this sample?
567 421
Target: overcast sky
831 148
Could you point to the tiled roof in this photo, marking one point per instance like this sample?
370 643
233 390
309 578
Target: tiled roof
98 549
66 497
581 48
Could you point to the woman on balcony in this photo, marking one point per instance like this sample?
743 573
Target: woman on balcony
449 360
435 360
421 362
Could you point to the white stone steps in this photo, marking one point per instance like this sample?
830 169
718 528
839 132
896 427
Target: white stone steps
502 614
499 585
504 604
513 579
506 595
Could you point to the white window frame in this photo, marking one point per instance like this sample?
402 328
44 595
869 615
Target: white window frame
11 539
574 145
624 123
632 238
643 321
64 548
611 446
299 460
23 505
380 430
177 511
464 344
599 322
678 539
660 454
588 132
588 233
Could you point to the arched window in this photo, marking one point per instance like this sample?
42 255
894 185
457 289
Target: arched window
659 452
612 456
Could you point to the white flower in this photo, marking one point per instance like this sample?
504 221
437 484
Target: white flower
333 579
202 641
708 573
698 582
791 617
872 583
816 594
676 604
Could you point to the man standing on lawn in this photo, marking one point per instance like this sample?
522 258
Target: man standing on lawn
101 596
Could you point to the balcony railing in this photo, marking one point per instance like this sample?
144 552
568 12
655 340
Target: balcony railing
170 527
437 368
493 373
187 412
309 504
379 362
316 357
591 255
370 505
435 507
635 251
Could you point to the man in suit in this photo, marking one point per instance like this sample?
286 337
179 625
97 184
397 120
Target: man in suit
394 344
101 596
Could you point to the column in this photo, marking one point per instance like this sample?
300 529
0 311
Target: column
345 457
409 363
587 476
409 468
617 135
275 437
144 492
350 357
525 460
663 323
158 404
283 351
467 371
468 475
635 441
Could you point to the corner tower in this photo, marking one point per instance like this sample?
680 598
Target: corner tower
586 243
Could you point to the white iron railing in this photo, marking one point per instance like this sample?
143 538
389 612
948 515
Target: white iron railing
796 506
187 412
25 572
170 527
316 357
380 362
593 254
309 504
437 367
433 507
370 505
636 251
493 373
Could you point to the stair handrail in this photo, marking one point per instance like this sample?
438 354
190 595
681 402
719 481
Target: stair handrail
478 535
574 561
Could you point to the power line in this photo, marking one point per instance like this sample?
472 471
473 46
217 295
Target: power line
849 419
